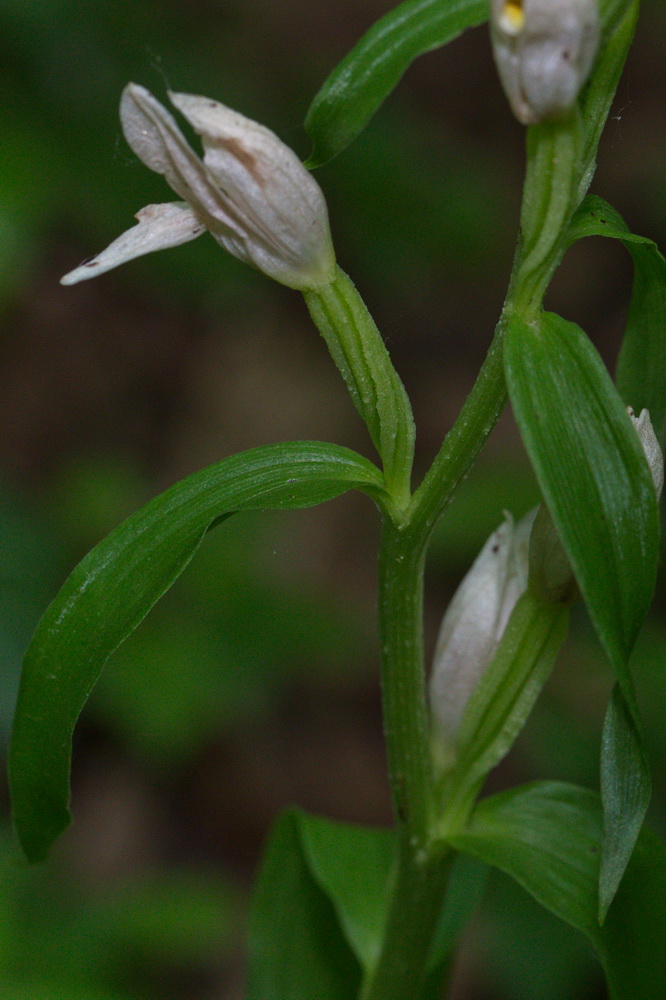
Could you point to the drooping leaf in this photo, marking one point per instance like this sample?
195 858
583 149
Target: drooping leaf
297 950
641 367
114 587
547 836
366 76
599 491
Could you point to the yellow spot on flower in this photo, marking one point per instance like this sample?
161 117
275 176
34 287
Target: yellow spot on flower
512 18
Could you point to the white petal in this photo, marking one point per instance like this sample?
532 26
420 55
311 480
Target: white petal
650 443
154 136
544 50
159 227
473 626
469 631
278 201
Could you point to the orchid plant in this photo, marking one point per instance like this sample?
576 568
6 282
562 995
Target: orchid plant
342 911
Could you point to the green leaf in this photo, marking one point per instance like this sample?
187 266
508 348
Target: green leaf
641 368
625 793
467 884
114 587
356 346
500 704
547 836
352 865
618 23
366 76
296 948
592 472
634 956
502 700
599 491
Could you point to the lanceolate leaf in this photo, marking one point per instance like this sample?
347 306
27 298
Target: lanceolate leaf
367 75
598 488
115 586
296 948
352 865
625 793
592 472
641 369
547 836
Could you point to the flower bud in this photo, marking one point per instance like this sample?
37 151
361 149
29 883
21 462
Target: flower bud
544 50
473 626
650 444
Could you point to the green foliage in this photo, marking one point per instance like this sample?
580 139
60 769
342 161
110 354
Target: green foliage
323 907
115 586
641 366
366 76
547 836
373 383
331 883
303 953
503 699
598 488
353 866
592 472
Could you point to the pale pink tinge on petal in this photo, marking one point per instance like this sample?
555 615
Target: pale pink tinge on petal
159 227
281 206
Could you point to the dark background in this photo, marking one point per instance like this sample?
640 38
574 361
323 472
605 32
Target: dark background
253 684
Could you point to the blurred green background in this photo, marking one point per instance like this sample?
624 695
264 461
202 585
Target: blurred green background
253 684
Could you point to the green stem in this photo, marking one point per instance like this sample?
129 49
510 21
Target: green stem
420 884
423 864
464 441
403 679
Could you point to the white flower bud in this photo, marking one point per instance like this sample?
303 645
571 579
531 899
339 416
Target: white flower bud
473 626
650 443
544 50
251 192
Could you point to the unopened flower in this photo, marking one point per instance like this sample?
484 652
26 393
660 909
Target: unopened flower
251 192
473 626
544 50
648 438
